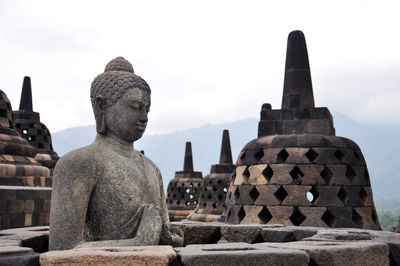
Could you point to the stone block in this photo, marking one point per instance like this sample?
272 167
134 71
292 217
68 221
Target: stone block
326 196
313 216
392 240
7 193
367 199
352 196
342 217
241 232
280 214
318 126
266 196
297 195
199 233
256 175
287 233
265 128
20 260
293 126
281 174
235 214
368 218
252 215
312 174
364 253
139 255
339 177
280 141
239 254
241 179
325 156
297 155
246 194
360 179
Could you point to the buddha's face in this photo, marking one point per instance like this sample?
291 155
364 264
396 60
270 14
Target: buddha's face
127 118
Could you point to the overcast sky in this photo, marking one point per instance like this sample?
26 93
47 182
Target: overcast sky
205 61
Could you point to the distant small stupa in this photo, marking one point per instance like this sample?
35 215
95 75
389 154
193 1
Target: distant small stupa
27 123
183 191
214 187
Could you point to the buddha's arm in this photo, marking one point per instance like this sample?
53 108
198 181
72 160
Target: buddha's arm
73 183
148 232
170 235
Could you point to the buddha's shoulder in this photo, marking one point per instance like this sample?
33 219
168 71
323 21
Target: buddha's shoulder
150 163
86 157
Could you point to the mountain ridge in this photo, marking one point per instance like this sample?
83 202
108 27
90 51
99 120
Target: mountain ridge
379 145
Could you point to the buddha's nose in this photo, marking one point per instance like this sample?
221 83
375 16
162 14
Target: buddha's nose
143 116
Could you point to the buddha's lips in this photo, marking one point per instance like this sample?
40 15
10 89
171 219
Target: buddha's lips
141 127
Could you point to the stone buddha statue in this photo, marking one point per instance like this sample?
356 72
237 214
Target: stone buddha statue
108 193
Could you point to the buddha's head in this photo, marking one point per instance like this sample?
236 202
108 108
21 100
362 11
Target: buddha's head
120 101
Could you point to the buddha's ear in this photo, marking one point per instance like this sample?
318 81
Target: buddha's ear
100 116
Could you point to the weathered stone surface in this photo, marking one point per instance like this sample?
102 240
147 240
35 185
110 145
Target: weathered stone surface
30 259
239 254
199 232
27 123
107 193
392 240
184 189
21 199
339 253
287 233
12 250
144 255
297 165
241 233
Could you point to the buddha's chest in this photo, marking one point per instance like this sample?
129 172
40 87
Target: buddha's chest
125 185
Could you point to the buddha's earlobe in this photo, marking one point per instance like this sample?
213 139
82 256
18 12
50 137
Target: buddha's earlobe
100 117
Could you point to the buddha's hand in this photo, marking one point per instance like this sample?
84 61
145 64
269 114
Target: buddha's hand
171 235
150 227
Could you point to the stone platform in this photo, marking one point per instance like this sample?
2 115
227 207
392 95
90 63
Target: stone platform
218 244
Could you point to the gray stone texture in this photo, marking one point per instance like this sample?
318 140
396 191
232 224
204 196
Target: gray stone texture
199 232
108 194
239 254
214 186
144 255
24 183
339 253
27 123
184 189
319 246
297 172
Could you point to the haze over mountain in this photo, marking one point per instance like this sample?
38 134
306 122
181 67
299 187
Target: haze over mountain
380 145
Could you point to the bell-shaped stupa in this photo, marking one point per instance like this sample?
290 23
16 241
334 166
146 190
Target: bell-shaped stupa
183 191
214 187
297 172
27 123
25 186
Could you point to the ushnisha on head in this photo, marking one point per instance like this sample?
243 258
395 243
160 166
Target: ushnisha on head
120 101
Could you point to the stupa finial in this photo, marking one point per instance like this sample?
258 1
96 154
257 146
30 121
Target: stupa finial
226 153
26 95
188 163
297 88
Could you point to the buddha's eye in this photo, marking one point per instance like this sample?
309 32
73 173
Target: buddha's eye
135 106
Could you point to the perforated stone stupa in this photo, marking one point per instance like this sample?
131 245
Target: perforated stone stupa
183 191
25 186
297 172
214 187
27 123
